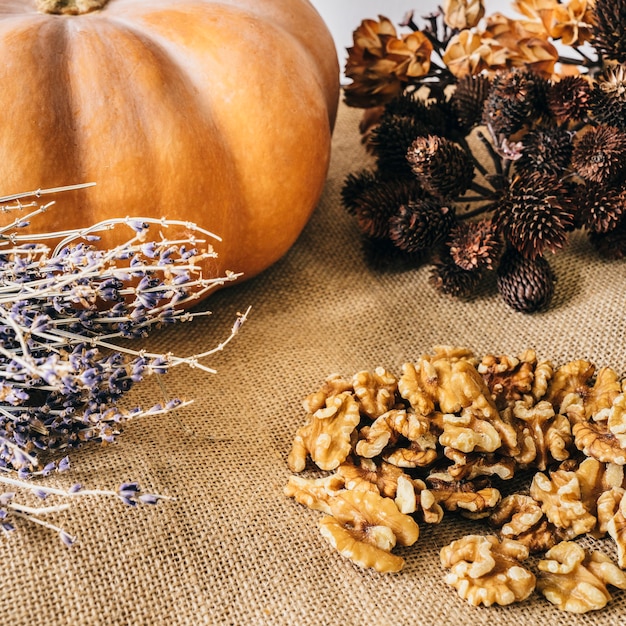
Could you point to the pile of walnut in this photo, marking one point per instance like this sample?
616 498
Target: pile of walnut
399 452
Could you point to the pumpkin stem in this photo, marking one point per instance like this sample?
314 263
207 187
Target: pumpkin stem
69 7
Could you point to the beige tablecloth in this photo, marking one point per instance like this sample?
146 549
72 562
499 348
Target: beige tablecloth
231 548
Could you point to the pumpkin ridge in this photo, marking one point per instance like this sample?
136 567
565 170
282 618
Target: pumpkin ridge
252 195
182 136
178 60
61 160
311 41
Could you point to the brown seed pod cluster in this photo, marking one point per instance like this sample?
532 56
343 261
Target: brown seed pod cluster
494 133
447 437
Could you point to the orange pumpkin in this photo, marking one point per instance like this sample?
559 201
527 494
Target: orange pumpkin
218 113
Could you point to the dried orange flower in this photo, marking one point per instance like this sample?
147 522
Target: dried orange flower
371 73
411 54
380 63
469 53
463 14
509 32
534 9
535 54
571 22
371 35
526 43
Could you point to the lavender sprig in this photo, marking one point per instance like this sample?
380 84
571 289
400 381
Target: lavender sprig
12 512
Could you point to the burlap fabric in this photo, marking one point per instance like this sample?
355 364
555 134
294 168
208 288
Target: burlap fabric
231 548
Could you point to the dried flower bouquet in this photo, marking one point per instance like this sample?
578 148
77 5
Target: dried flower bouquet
67 314
493 139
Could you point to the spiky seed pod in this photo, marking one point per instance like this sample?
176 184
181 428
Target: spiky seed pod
475 245
403 119
468 100
369 120
390 141
516 96
535 214
441 166
568 99
612 244
407 104
432 115
599 155
526 285
609 25
607 99
449 125
354 187
419 225
449 278
374 200
547 150
600 209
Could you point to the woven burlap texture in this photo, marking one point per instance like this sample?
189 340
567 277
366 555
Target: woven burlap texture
231 548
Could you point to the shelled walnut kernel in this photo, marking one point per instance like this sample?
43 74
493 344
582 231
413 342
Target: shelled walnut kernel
446 438
485 570
326 437
520 517
576 581
365 527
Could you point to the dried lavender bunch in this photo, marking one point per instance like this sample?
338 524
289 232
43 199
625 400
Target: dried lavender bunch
64 311
546 156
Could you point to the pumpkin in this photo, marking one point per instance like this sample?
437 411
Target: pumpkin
213 112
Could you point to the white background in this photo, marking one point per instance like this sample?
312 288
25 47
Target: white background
343 16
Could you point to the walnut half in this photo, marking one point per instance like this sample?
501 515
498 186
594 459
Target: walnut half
364 527
561 499
520 517
326 437
485 570
476 497
576 581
